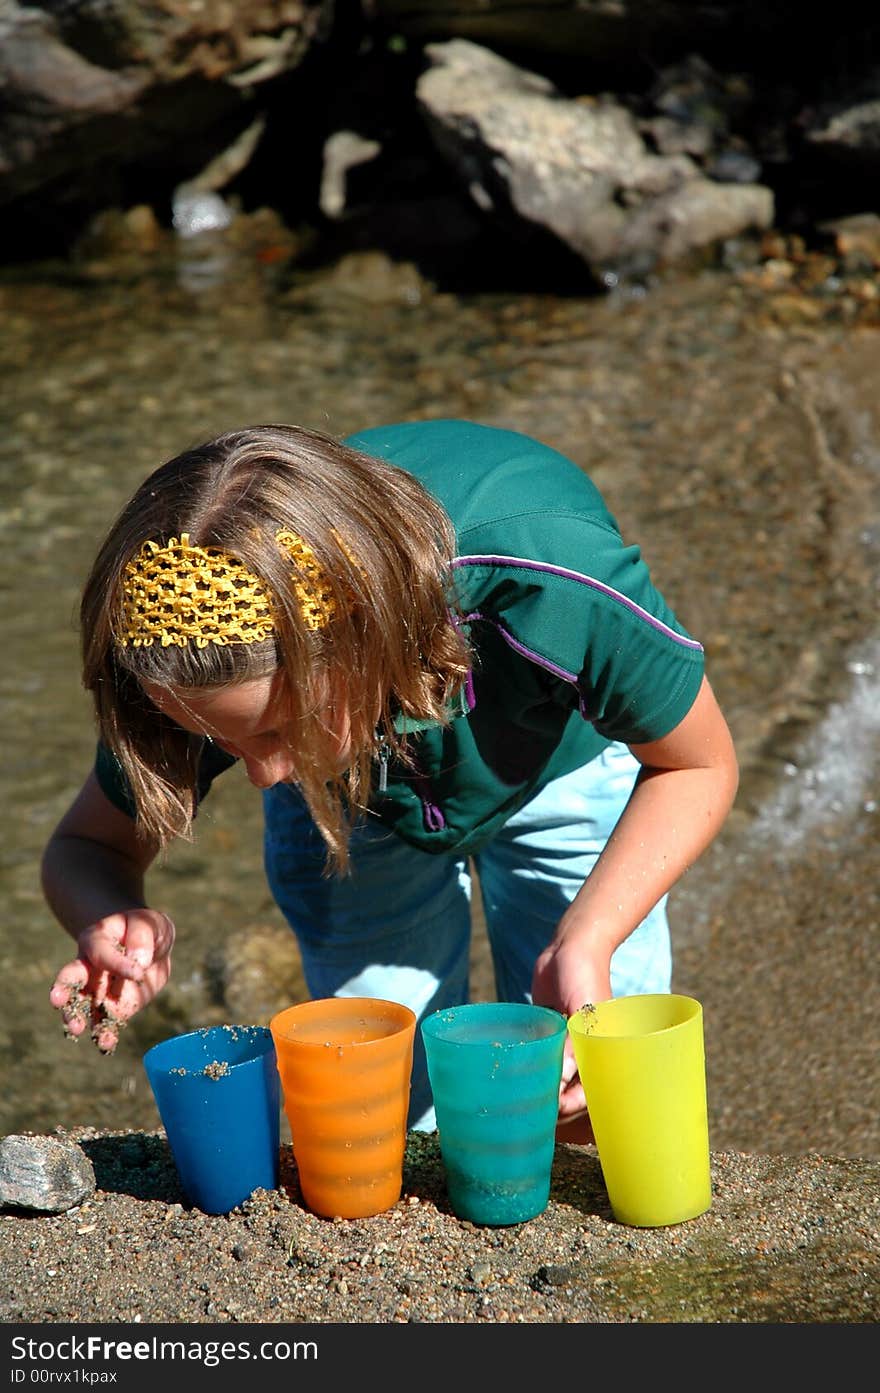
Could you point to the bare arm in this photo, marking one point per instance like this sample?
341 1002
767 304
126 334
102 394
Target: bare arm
94 864
93 872
681 798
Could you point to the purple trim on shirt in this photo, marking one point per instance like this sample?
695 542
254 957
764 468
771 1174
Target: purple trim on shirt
533 657
525 564
529 653
432 817
470 695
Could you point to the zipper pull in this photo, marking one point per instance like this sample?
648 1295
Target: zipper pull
382 756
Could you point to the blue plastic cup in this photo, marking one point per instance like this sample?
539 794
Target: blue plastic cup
495 1070
219 1097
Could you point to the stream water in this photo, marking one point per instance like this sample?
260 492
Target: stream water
735 435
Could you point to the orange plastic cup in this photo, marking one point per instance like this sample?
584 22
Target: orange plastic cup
345 1066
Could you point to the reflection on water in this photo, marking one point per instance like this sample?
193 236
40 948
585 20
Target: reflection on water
675 402
828 780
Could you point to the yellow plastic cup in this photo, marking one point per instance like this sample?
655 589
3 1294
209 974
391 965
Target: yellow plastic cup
345 1066
641 1061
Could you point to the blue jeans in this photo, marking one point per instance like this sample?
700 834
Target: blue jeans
399 926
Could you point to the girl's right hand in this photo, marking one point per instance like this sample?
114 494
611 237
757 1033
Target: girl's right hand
124 961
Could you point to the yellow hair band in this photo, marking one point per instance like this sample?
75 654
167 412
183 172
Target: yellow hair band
174 592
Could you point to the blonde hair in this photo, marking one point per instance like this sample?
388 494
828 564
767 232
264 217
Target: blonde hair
393 644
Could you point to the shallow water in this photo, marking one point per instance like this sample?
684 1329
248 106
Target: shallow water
739 446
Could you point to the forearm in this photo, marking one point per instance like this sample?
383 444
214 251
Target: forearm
93 873
84 881
672 817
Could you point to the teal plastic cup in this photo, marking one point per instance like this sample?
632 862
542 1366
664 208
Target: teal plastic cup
495 1070
219 1098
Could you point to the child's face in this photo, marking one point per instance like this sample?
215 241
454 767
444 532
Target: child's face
251 721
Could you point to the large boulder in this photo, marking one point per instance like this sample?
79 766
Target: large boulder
93 88
578 168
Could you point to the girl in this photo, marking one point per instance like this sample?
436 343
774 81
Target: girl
430 648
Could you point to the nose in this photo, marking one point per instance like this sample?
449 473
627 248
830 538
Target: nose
269 770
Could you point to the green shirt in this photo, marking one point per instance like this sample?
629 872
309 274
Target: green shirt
573 645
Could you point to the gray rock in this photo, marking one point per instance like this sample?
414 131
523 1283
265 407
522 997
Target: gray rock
44 1173
849 129
196 211
343 150
577 167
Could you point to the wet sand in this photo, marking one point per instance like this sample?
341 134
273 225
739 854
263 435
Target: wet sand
785 1241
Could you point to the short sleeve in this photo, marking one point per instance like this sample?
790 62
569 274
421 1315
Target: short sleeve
113 783
580 603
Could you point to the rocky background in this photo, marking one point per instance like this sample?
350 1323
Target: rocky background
557 144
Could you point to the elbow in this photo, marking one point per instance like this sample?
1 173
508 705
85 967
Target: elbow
47 867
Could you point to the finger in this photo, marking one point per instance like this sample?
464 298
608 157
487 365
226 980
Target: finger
71 978
165 936
116 959
105 1029
569 1071
112 990
101 945
145 941
106 1036
75 1018
101 986
572 1100
121 1001
76 1012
